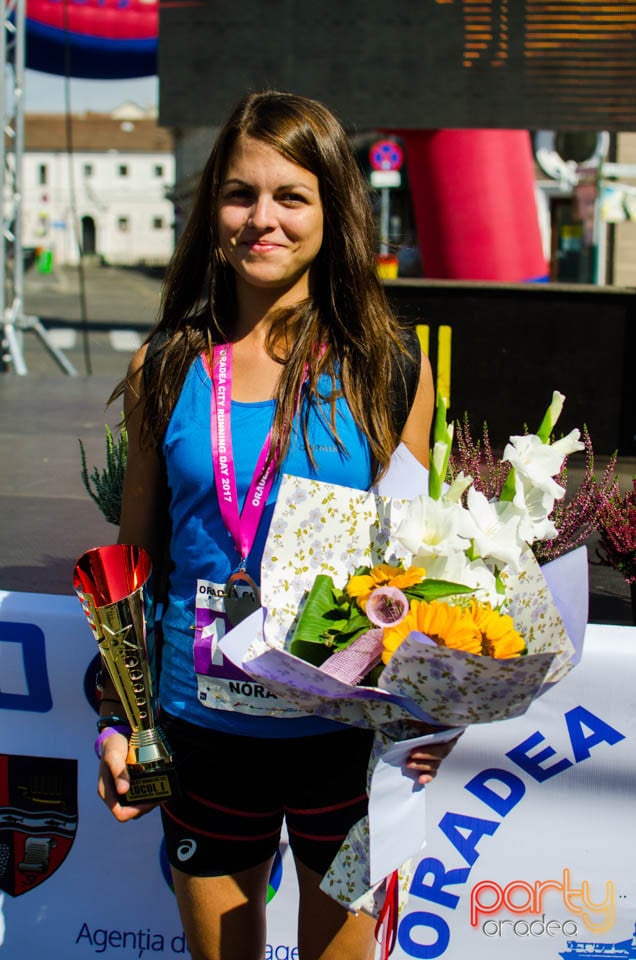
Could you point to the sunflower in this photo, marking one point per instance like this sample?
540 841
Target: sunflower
361 587
448 626
499 637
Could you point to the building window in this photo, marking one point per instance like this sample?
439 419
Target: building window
123 224
87 170
157 223
43 174
158 170
122 170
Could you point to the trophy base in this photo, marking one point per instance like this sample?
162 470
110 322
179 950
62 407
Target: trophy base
150 786
151 768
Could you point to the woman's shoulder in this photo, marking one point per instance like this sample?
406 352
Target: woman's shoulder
132 386
137 361
405 375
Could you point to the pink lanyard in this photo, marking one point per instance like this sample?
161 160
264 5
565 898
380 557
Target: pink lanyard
242 525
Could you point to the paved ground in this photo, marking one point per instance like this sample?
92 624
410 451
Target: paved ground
46 518
97 323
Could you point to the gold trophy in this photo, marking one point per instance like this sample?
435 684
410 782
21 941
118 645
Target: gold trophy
110 582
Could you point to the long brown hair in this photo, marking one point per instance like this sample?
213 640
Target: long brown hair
345 328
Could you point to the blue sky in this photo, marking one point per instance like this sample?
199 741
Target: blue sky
44 93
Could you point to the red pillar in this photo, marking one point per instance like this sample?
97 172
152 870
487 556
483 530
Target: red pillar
474 204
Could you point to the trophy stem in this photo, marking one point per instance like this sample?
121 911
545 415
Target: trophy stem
148 746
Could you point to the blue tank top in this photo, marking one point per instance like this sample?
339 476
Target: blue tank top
201 547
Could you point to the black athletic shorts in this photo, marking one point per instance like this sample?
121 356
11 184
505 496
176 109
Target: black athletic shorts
235 792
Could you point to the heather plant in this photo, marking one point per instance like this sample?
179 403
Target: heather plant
105 487
476 459
617 532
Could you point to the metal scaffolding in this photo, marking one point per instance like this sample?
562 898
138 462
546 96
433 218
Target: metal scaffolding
14 320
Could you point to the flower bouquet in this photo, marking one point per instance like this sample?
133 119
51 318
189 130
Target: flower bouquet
415 602
339 564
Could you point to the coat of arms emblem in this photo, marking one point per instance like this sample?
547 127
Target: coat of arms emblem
38 819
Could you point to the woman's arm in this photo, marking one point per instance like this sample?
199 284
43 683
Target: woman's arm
138 526
416 434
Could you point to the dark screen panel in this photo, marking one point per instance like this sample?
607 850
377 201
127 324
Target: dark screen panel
532 64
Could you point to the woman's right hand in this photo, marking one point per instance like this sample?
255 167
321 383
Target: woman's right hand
114 780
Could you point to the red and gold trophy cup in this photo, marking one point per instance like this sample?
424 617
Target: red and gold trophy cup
111 584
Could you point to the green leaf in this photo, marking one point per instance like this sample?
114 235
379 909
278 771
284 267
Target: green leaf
434 482
315 653
328 618
508 490
436 589
442 439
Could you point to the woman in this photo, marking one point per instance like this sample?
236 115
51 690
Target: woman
290 361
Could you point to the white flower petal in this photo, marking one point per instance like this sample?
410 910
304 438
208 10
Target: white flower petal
457 488
495 530
431 527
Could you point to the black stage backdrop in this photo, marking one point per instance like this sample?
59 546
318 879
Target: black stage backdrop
526 64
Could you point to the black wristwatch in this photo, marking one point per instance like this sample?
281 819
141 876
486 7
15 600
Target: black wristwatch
112 720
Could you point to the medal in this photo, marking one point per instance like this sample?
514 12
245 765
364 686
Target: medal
242 597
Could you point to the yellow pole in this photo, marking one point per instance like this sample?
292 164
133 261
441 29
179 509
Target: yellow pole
422 330
444 336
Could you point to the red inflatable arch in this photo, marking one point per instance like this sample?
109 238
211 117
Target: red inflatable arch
473 194
99 39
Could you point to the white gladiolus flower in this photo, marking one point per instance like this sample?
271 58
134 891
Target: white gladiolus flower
494 529
534 507
430 528
538 462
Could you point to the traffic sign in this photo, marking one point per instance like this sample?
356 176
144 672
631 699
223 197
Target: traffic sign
381 179
386 155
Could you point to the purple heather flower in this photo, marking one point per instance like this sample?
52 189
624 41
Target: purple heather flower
617 528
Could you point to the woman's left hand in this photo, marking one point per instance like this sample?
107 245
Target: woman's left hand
423 762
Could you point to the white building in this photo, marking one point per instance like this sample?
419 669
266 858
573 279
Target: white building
100 180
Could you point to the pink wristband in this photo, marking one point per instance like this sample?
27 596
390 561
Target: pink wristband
108 732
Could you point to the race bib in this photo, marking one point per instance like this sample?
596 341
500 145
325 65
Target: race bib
220 684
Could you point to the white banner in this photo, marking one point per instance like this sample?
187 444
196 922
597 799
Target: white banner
530 822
